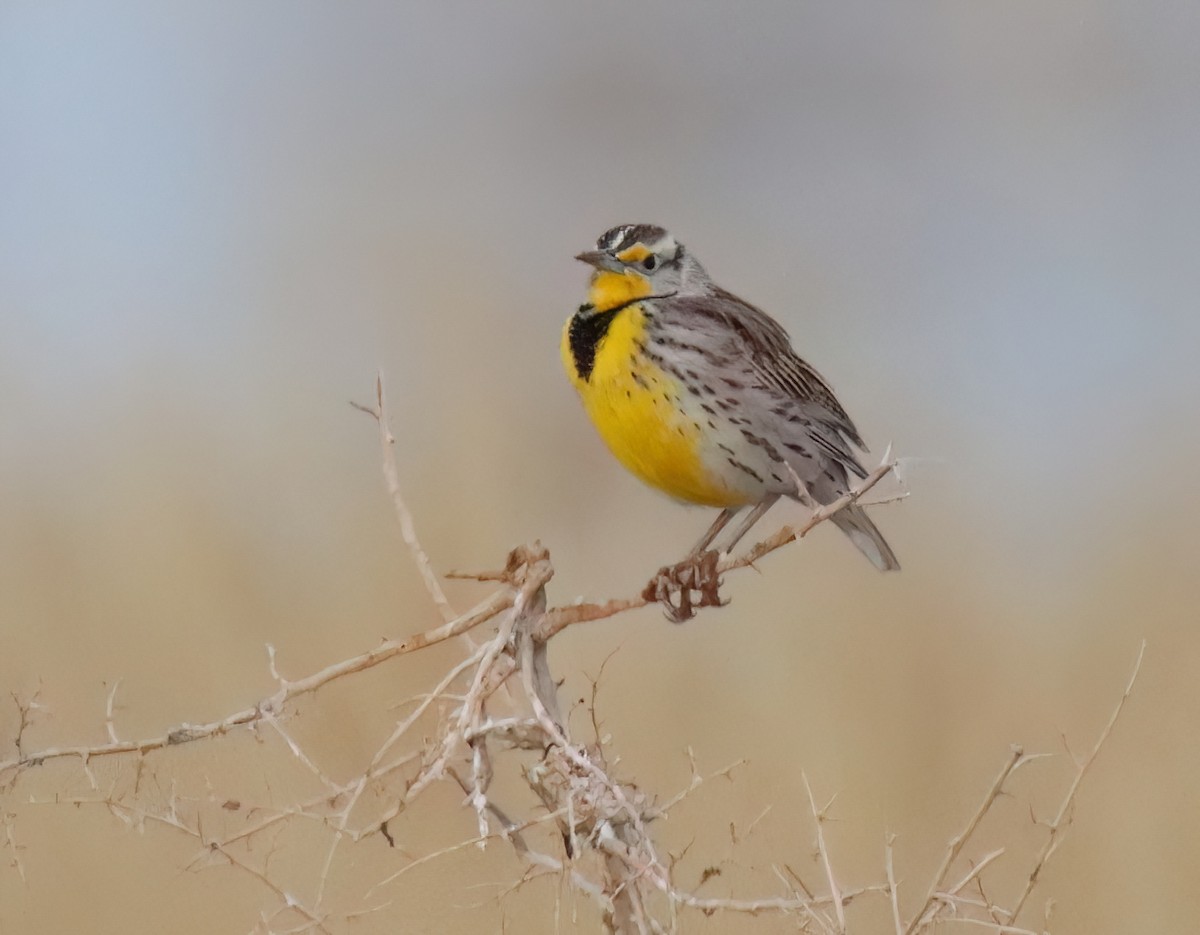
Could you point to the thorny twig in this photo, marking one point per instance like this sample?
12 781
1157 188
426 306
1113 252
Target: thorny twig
408 528
267 707
1056 828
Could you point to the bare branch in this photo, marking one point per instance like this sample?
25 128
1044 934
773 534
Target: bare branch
834 890
185 733
893 889
1056 826
408 528
1014 762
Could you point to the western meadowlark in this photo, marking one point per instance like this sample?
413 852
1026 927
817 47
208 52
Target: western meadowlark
701 394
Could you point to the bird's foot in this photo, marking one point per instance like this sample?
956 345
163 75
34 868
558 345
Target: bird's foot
675 585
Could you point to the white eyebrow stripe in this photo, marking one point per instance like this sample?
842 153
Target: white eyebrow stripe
663 244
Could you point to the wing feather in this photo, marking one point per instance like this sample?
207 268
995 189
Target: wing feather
766 346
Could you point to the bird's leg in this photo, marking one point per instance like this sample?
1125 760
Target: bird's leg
696 573
751 518
719 523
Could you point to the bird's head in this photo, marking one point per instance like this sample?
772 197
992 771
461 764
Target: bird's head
643 260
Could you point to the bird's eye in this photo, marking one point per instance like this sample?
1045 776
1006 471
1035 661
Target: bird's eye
650 263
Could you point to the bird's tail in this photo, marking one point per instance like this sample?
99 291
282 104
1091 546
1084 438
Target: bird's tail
854 522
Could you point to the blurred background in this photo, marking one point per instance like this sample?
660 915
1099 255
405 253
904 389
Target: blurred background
977 220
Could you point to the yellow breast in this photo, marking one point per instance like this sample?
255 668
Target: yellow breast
637 408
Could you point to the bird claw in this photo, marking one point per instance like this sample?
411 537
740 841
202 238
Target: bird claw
696 573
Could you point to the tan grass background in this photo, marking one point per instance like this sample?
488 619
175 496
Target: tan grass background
977 220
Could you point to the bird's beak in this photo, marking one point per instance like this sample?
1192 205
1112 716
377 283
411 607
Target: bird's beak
598 259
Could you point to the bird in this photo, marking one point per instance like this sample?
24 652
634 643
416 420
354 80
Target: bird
701 395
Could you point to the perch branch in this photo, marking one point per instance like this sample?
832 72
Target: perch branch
560 617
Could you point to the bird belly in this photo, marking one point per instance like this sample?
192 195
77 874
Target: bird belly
651 422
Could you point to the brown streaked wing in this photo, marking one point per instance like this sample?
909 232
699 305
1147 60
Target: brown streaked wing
769 348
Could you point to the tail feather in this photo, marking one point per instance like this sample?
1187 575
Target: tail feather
854 522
